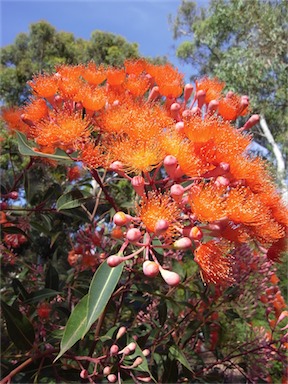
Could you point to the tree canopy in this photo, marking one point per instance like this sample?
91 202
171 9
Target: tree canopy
44 47
244 43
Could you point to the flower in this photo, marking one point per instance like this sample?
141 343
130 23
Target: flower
158 207
215 262
44 85
211 87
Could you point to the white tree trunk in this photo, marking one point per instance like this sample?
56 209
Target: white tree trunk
280 163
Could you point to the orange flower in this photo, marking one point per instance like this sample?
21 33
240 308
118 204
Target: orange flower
158 207
168 79
134 67
92 155
115 76
215 261
230 107
94 75
137 86
137 155
12 117
63 130
36 110
73 173
93 98
44 85
207 202
212 88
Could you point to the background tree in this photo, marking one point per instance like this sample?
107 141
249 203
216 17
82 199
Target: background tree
243 43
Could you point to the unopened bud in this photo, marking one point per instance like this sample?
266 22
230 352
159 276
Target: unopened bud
13 195
177 192
154 94
171 278
188 89
114 349
196 233
179 126
196 111
138 183
187 114
254 119
84 374
175 108
161 227
107 370
170 164
150 268
133 235
132 346
116 166
146 352
200 95
112 378
137 362
222 181
121 332
120 218
212 106
183 243
145 379
114 261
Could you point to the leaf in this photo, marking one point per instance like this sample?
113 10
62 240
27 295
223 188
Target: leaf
44 293
52 278
71 199
19 289
19 328
101 288
177 354
26 150
75 326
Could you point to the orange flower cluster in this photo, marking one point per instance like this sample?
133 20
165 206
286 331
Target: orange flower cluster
137 121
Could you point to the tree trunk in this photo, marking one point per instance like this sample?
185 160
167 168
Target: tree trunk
280 163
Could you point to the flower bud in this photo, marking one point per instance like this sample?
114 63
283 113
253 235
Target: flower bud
161 227
212 106
112 378
175 108
145 379
146 352
177 192
170 164
121 332
200 96
222 181
107 370
132 346
13 195
84 374
183 243
150 268
196 233
116 166
120 218
133 235
188 89
138 183
179 126
114 261
137 362
171 278
114 349
253 120
154 94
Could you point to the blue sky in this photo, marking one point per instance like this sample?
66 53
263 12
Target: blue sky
142 21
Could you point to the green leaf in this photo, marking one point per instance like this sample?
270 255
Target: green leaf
19 328
75 326
26 150
177 354
101 288
40 295
52 278
71 199
143 367
19 289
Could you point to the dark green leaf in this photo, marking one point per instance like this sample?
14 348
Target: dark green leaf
101 288
19 289
40 295
71 199
19 328
52 278
75 326
177 354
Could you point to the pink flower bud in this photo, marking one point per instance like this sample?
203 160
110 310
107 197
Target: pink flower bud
196 233
138 183
146 352
254 119
187 114
222 181
200 96
196 111
116 166
132 346
133 235
212 106
107 370
175 108
145 379
179 126
120 218
137 362
177 192
121 332
154 94
112 378
170 164
84 374
171 278
188 89
114 260
183 243
161 227
114 349
150 268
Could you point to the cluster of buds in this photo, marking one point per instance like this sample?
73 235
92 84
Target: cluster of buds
119 360
196 185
